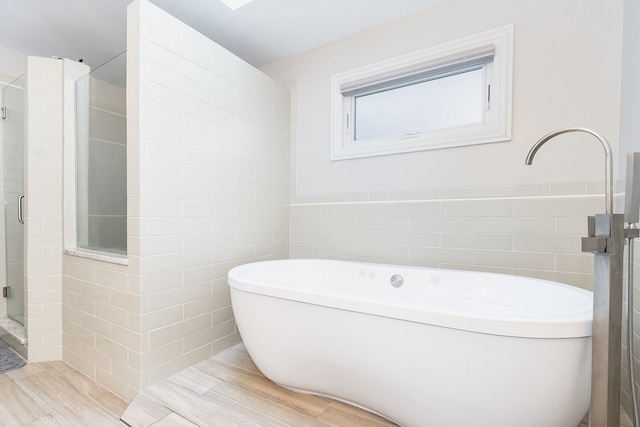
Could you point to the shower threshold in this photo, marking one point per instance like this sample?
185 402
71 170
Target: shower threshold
12 328
14 335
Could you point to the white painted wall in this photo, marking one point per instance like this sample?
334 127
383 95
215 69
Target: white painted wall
566 73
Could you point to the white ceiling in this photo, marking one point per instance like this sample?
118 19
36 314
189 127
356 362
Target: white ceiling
259 32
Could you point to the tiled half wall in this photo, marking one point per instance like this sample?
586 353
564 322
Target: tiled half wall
207 188
530 230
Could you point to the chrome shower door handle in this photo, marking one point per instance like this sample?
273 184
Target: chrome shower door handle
20 218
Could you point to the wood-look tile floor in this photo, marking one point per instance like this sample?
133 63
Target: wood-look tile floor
54 394
227 390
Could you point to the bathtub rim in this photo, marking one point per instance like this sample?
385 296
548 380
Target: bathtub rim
575 324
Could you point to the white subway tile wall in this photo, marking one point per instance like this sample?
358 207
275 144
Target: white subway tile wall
213 173
43 222
208 189
532 236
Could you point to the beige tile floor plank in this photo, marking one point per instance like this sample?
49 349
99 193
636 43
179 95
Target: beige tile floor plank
92 392
239 357
257 383
53 394
56 367
64 403
8 420
144 410
340 414
174 420
17 407
197 408
193 379
26 370
246 401
46 421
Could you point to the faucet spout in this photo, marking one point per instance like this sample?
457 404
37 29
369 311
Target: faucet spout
608 167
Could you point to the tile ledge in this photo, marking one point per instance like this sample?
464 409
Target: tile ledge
98 255
13 328
452 199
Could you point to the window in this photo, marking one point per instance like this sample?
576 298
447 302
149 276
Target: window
450 95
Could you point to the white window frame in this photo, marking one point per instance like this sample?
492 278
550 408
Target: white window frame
497 120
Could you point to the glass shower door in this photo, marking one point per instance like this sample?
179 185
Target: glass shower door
13 114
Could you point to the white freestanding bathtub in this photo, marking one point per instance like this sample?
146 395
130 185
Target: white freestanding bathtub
421 347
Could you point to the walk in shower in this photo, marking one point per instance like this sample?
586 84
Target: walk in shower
13 125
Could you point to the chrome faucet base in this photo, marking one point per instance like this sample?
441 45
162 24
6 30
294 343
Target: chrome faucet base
606 241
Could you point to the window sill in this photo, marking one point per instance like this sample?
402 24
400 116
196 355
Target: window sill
113 258
448 138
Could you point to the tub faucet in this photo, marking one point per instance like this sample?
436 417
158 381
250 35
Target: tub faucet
607 159
605 240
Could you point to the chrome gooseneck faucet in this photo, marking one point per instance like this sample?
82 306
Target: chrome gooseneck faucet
608 168
606 235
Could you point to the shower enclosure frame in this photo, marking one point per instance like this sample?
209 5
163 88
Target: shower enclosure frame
13 115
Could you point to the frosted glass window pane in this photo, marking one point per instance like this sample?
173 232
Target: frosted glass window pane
446 102
101 158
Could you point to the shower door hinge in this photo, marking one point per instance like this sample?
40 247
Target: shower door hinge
5 292
4 113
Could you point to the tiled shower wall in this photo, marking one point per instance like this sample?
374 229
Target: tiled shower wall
208 179
43 223
208 152
213 169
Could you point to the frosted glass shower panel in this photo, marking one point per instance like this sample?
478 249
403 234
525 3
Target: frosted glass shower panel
101 158
14 102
